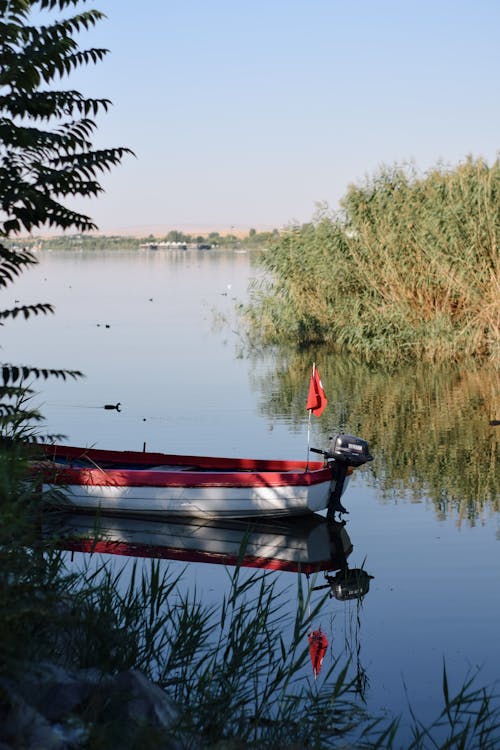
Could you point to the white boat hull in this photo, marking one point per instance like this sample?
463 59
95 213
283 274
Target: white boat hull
207 502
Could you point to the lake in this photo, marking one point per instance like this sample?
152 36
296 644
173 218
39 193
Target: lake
158 332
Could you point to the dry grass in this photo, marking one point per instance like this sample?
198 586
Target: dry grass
409 269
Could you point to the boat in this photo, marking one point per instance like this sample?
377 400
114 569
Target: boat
158 484
308 545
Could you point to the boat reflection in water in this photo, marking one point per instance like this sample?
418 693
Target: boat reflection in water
306 544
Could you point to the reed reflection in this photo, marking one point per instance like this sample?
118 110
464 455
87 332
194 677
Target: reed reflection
432 429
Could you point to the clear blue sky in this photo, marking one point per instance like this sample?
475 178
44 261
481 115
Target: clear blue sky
249 113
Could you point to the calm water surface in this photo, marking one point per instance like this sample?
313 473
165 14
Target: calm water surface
157 332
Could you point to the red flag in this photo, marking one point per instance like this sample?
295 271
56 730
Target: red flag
316 399
318 644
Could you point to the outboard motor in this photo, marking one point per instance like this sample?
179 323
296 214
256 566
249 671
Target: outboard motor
343 451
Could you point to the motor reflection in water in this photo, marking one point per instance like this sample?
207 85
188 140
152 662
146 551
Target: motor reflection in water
309 544
345 584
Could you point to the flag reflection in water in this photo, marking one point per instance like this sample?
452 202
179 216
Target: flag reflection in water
318 644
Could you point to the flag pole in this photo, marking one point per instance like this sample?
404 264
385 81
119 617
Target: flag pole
309 427
308 439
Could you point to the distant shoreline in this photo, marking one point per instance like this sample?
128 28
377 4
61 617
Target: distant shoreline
174 240
157 231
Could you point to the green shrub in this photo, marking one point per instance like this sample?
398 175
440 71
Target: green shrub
409 268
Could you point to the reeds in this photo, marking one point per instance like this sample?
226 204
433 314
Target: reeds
409 268
239 671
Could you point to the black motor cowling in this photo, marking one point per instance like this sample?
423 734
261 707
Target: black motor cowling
349 449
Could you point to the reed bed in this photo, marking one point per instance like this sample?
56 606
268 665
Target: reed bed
409 268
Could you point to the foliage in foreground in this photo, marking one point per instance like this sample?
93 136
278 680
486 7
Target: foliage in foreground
238 671
47 154
410 268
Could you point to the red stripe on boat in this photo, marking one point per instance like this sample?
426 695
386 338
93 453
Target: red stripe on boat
145 478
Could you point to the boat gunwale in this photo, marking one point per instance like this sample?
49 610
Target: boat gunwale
142 458
206 472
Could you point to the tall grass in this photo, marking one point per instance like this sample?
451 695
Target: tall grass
235 671
239 672
409 268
